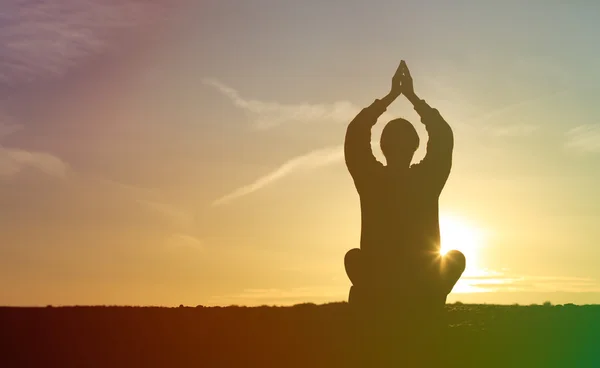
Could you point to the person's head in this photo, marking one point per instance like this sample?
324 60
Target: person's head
399 141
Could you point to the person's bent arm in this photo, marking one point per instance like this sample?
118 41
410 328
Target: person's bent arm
438 159
357 145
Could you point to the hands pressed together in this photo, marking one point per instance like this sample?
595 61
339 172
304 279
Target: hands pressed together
402 84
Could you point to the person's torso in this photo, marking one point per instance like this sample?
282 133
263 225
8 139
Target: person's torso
399 212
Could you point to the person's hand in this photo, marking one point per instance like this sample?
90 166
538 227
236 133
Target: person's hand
397 81
406 82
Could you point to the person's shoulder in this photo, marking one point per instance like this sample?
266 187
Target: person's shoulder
373 172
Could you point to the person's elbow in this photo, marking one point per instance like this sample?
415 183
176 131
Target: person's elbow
441 139
450 138
446 134
349 139
350 147
356 133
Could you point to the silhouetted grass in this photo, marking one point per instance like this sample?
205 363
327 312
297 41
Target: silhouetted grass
304 335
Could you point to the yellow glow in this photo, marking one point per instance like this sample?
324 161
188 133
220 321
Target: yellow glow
457 233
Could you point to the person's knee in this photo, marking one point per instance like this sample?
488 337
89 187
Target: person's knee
352 259
455 260
453 265
352 262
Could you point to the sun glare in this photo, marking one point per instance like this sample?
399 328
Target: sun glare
457 233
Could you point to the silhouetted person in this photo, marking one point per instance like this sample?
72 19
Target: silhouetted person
398 263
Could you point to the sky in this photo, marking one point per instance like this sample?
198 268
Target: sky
189 152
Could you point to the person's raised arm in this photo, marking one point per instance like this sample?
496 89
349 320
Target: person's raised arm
438 159
357 145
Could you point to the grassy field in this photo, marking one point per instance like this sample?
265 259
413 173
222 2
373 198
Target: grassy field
305 335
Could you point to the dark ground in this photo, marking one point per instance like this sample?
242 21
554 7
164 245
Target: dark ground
301 336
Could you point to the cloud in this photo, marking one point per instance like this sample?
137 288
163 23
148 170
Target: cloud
183 241
175 214
584 138
271 114
513 130
497 281
148 198
175 221
40 39
275 296
324 294
477 282
180 221
7 125
12 161
312 160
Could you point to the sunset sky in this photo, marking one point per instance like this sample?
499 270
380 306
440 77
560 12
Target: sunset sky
189 152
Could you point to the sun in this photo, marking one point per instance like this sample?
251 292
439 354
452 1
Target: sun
457 233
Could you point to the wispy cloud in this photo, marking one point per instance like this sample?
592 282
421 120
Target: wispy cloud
500 128
40 39
270 114
490 281
584 138
309 161
513 130
13 161
281 297
44 40
184 241
179 221
178 216
7 125
151 199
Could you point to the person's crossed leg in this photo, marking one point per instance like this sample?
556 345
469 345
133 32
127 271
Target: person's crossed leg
363 275
453 264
